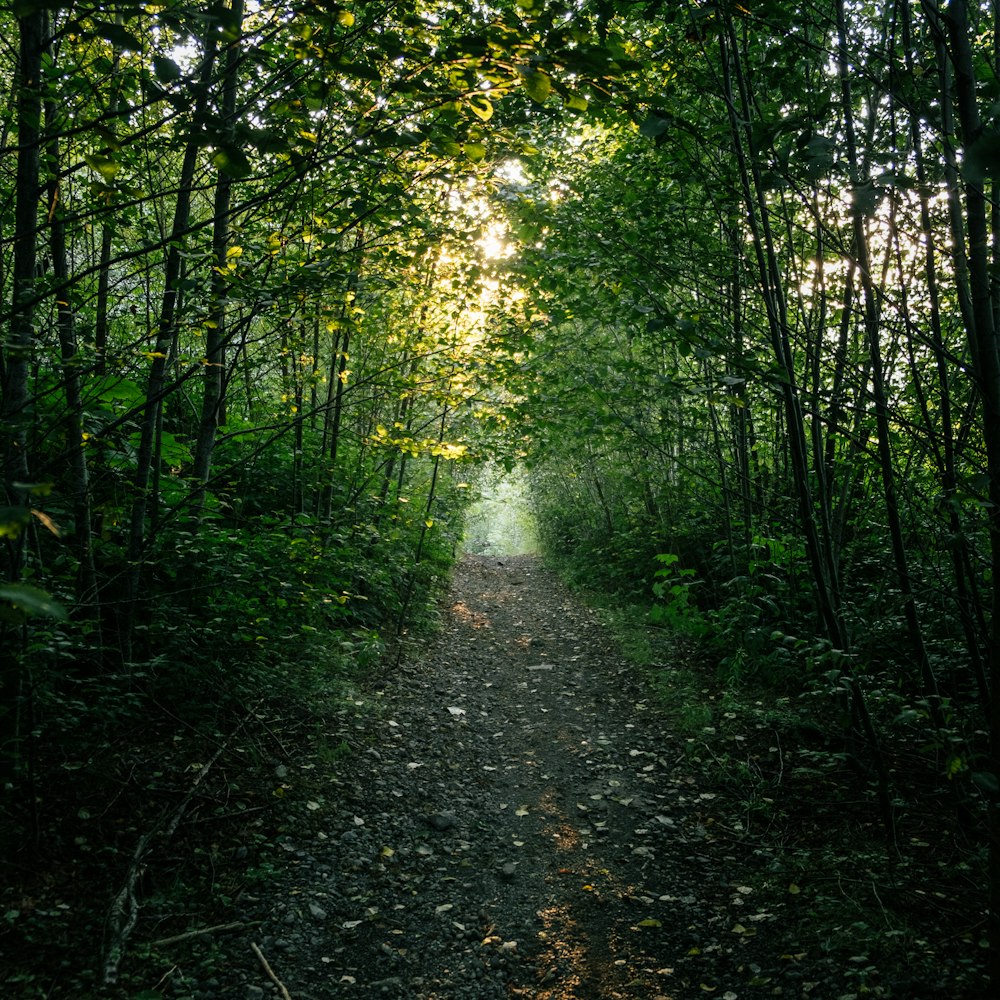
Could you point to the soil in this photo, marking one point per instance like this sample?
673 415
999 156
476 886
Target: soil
513 818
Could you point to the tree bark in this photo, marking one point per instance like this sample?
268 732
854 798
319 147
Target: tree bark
216 338
982 335
160 355
741 116
79 476
20 341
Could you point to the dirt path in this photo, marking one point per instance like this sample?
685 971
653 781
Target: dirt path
513 821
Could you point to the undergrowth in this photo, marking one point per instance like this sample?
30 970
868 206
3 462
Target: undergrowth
793 809
165 789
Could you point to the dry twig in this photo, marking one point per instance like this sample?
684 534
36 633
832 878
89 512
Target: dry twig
285 995
204 932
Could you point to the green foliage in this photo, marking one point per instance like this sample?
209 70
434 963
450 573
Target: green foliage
248 344
673 587
28 602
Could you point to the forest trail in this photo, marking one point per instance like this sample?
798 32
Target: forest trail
513 821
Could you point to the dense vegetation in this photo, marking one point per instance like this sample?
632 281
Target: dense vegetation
766 383
274 280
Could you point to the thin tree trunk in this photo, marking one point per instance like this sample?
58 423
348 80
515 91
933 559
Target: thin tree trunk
101 321
964 599
79 477
983 340
827 597
213 383
20 341
338 376
872 334
17 705
162 349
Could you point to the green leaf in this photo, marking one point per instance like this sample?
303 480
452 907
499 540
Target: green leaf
118 36
172 451
103 165
232 161
33 602
982 158
537 85
987 782
115 390
166 70
475 151
654 126
13 520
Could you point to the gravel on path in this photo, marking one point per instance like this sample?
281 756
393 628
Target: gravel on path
513 821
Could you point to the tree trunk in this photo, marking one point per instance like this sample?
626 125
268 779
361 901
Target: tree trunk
872 334
79 478
770 282
20 341
338 385
162 348
964 598
982 335
213 383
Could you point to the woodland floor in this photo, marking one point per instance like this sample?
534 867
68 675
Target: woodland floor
508 815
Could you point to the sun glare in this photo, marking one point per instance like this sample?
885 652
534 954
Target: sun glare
492 242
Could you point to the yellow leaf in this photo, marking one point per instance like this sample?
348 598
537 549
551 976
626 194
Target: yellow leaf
345 18
793 889
588 888
48 522
650 922
387 852
429 523
481 106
